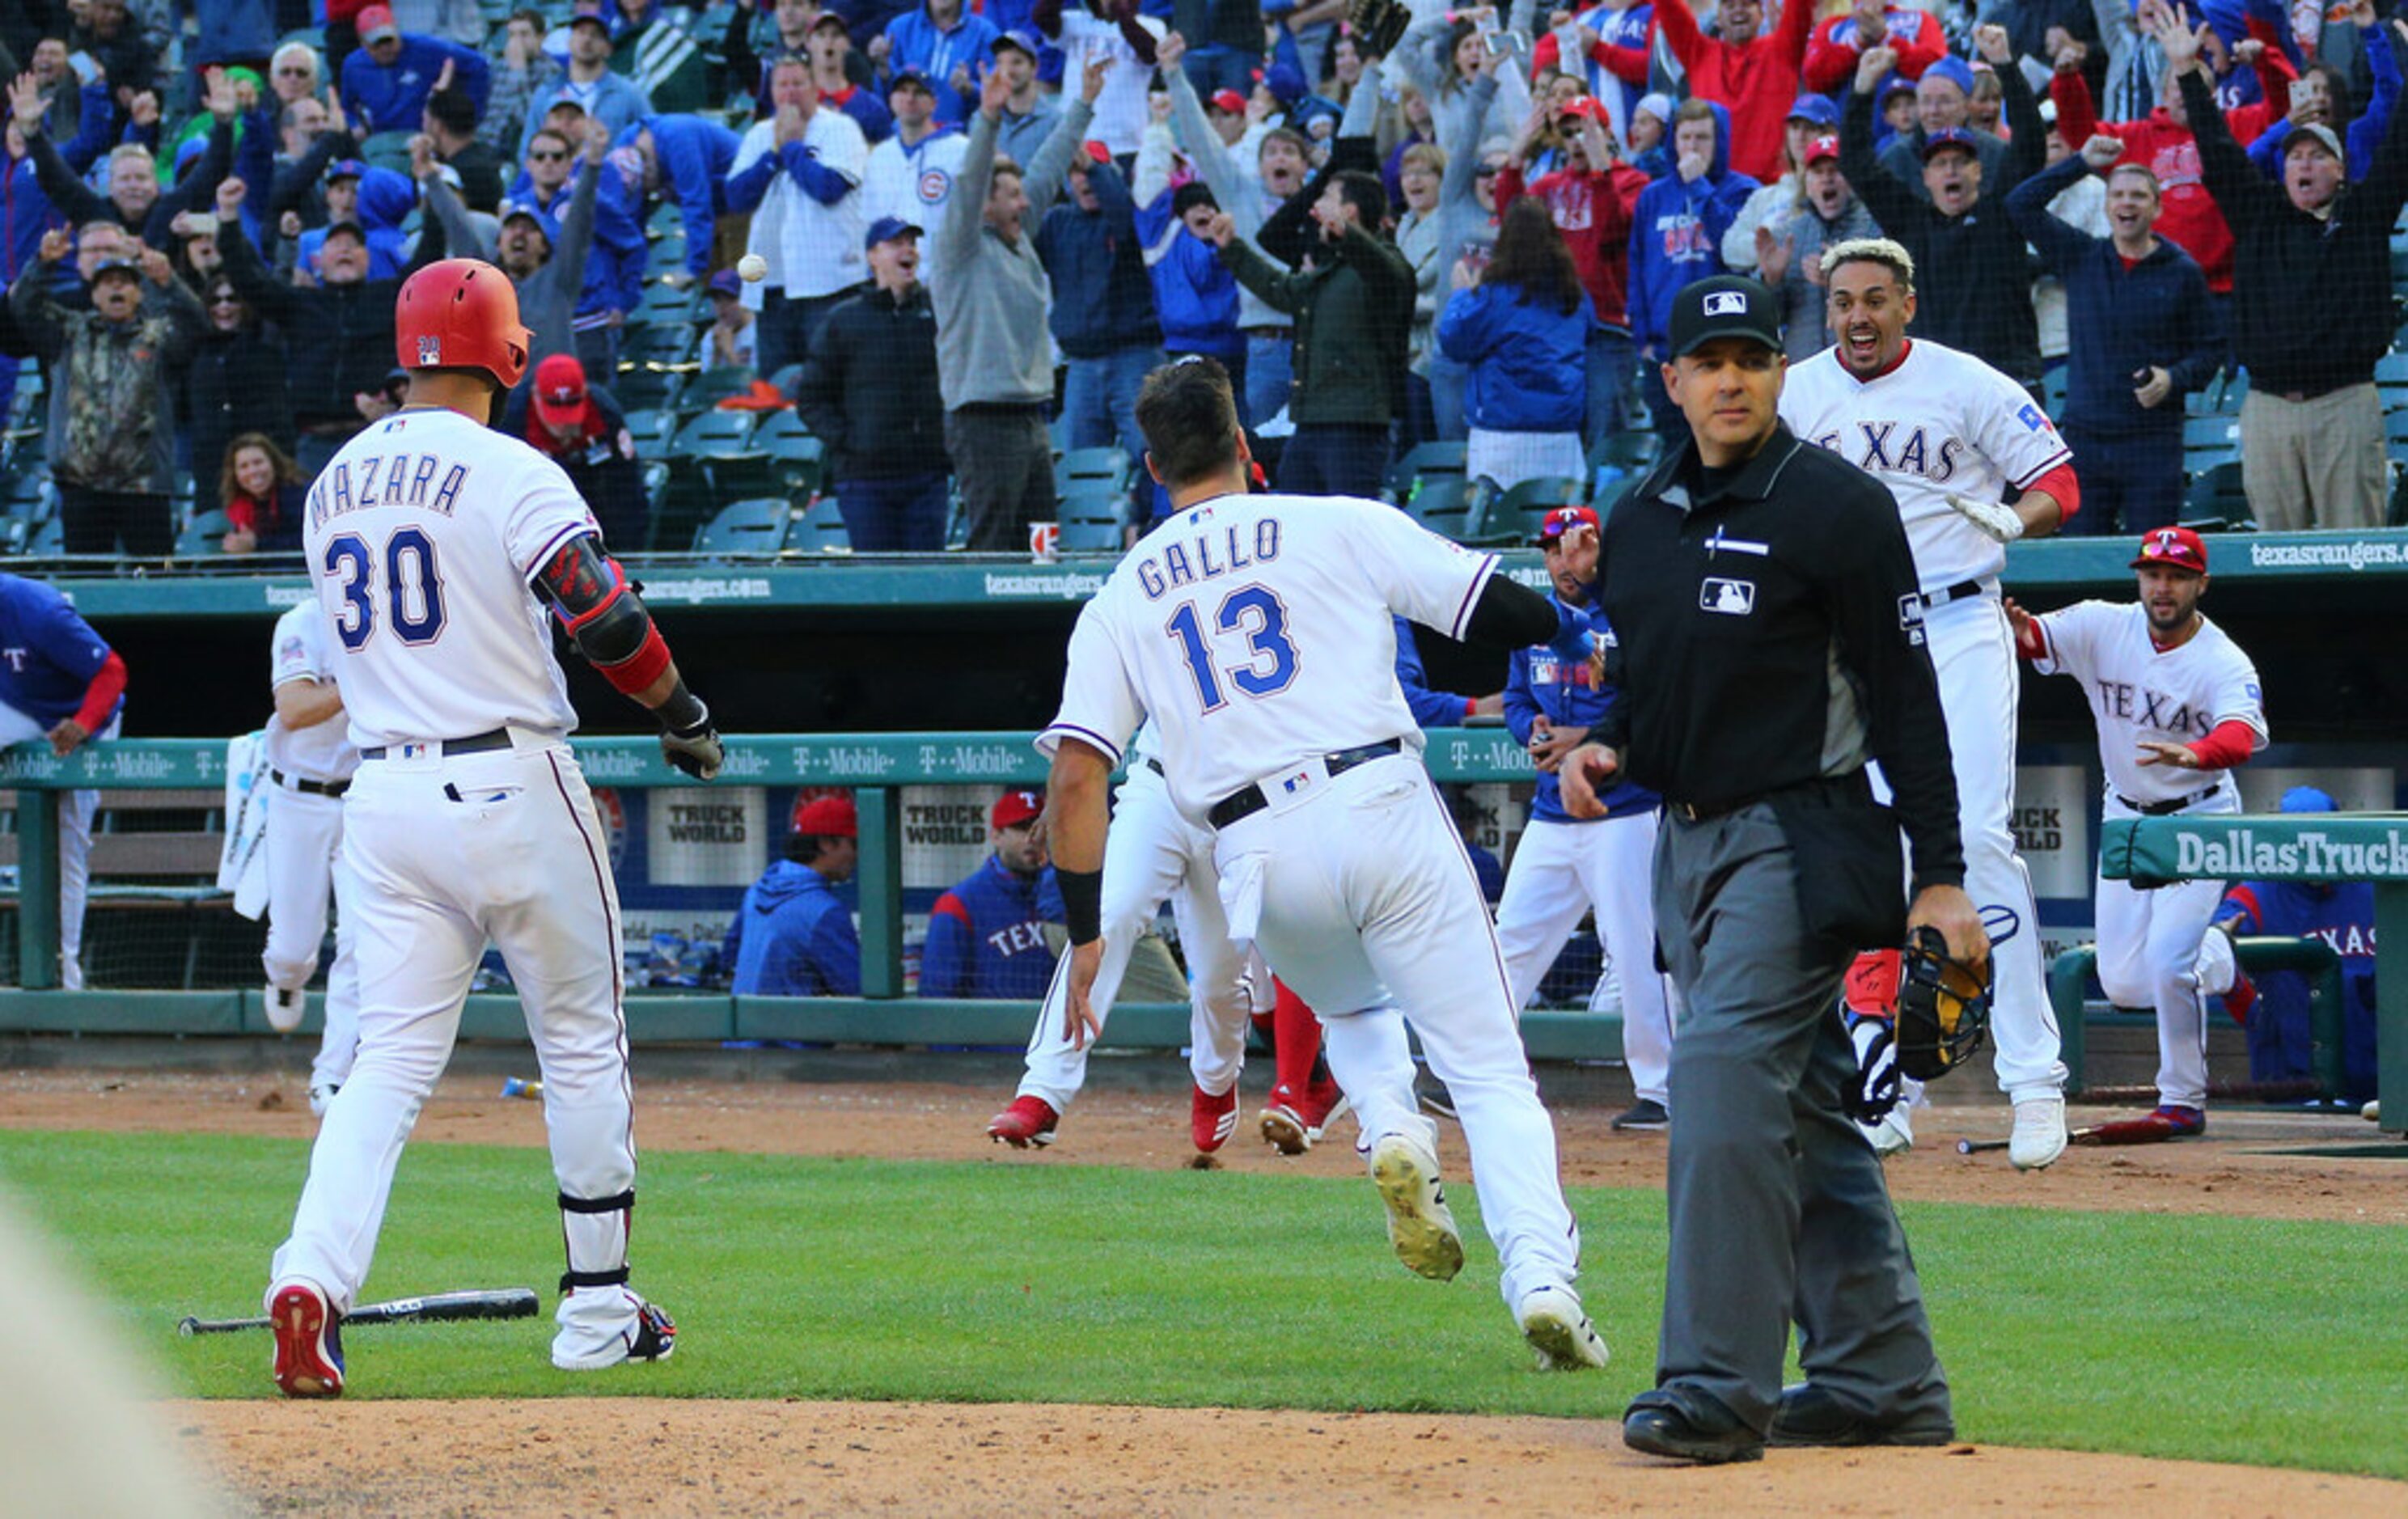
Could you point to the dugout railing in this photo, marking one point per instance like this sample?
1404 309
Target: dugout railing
875 767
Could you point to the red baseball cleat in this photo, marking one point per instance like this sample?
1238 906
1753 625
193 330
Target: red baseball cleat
1211 1119
308 1341
1293 1124
1029 1121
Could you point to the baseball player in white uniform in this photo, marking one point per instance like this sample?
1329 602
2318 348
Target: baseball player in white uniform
1255 633
431 538
1974 463
1151 853
2178 706
309 760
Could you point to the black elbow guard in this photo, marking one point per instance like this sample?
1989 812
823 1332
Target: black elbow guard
586 587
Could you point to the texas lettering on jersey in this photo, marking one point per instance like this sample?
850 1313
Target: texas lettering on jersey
1900 448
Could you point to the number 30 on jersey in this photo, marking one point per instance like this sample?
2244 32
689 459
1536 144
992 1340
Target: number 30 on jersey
409 587
1253 614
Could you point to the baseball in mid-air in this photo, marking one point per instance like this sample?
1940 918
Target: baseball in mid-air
753 268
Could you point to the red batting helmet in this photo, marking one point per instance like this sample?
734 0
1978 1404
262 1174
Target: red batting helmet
461 313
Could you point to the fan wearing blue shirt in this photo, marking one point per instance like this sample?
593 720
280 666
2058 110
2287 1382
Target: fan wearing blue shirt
62 683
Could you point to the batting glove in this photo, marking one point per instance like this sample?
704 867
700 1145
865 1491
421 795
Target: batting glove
695 750
1869 1098
1996 521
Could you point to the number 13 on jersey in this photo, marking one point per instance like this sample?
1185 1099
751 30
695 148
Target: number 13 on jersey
1251 614
410 588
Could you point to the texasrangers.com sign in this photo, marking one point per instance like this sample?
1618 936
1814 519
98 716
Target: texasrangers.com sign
2307 854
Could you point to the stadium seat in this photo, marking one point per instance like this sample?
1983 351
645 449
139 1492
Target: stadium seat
652 429
49 539
1442 503
1087 465
752 527
2052 391
1091 516
648 386
2398 515
797 462
667 256
663 342
713 386
2212 441
655 473
1432 459
387 151
777 425
1635 453
2394 432
200 539
2217 501
666 303
715 433
1513 517
818 530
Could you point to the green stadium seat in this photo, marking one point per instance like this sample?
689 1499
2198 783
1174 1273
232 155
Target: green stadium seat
713 386
1091 517
2394 432
1513 517
715 432
1436 458
818 530
199 539
1442 503
49 539
750 528
2210 440
1108 466
387 151
648 386
798 463
666 303
663 342
655 474
2217 501
2052 391
1635 453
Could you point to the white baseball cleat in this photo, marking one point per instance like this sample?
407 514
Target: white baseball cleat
1892 1135
2039 1136
2373 1111
602 1327
1558 1330
284 1009
1419 1225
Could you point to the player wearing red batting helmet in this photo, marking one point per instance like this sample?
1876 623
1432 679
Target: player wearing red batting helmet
461 313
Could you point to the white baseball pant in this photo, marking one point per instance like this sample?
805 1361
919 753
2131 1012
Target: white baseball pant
1151 852
306 872
75 810
1973 653
1562 869
2148 957
1358 890
448 851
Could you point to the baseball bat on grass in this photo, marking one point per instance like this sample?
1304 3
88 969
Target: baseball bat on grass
437 1307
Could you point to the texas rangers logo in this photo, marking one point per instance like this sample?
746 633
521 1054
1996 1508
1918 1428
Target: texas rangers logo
1733 598
2035 418
430 352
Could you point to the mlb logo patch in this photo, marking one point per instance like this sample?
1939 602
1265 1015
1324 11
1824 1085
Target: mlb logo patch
430 352
1724 303
2035 418
1909 612
1732 598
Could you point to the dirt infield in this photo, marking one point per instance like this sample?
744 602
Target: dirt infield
676 1457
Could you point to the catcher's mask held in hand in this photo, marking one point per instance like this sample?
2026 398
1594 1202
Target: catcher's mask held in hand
1944 1008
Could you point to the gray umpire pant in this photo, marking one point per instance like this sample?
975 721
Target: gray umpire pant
1777 1203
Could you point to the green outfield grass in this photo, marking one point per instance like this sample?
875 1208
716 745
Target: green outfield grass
2271 1343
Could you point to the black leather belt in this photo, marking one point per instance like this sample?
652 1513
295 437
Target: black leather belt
308 787
476 743
1947 593
1852 789
1246 803
2158 810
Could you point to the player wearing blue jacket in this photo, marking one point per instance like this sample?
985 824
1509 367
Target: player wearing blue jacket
386 80
794 936
986 937
1676 235
1563 865
686 160
59 682
2275 1007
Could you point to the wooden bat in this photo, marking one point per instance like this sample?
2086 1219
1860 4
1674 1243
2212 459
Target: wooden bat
437 1307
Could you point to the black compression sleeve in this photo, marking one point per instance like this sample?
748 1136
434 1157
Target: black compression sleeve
1083 903
1510 616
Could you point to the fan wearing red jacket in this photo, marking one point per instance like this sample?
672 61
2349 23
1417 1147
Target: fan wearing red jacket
2163 143
1833 51
1755 76
1591 199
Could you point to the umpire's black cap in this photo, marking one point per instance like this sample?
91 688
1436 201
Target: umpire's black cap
1725 306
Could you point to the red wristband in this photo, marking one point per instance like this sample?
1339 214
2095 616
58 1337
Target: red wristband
632 675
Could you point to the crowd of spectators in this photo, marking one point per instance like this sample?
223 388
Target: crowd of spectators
977 223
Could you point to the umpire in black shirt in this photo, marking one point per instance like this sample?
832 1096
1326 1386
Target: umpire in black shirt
1760 591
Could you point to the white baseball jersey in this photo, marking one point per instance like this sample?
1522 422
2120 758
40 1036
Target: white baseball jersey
424 534
2141 693
914 184
1254 631
323 753
1938 421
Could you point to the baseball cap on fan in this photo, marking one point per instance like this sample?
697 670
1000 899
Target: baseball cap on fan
1725 306
560 390
828 817
1014 808
1553 526
1228 102
375 24
2176 547
1822 149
